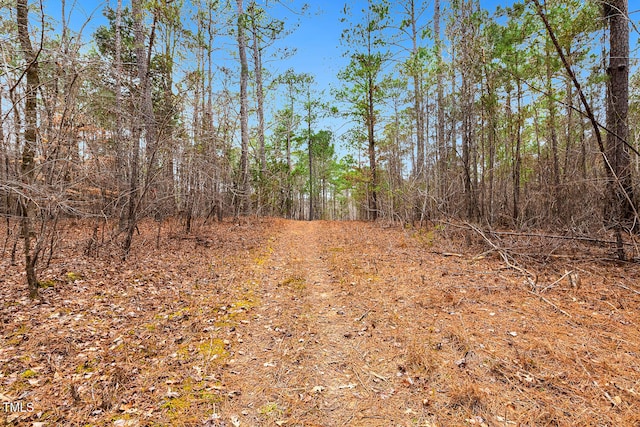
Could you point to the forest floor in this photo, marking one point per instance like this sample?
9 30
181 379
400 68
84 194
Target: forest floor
276 322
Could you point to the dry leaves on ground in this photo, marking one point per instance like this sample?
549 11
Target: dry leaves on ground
316 323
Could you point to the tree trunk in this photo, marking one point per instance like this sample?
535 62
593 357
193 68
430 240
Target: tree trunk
417 95
310 149
570 130
213 139
244 114
467 136
617 12
289 196
622 209
440 137
119 165
140 122
257 58
373 201
30 135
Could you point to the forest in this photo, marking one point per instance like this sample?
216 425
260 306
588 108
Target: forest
164 156
522 119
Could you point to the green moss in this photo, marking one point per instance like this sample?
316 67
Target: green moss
179 314
213 349
295 282
177 404
243 304
29 373
47 283
72 277
236 310
180 410
224 323
426 238
183 351
210 397
17 336
87 366
271 409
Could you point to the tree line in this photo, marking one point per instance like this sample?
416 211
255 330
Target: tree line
523 118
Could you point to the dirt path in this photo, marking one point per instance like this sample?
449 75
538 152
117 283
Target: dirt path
300 342
325 346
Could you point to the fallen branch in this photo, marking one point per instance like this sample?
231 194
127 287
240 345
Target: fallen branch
627 288
449 254
557 281
560 237
508 260
550 303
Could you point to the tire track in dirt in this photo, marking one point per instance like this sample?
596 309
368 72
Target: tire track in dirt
292 360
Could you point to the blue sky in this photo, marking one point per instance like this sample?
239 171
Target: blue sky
316 38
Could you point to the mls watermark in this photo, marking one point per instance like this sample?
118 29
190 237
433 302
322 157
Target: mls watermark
18 407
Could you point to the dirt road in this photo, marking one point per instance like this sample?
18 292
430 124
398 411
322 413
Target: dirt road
341 335
311 354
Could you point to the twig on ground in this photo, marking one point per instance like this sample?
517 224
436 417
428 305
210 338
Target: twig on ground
363 315
559 237
550 303
378 376
627 288
557 281
508 260
364 386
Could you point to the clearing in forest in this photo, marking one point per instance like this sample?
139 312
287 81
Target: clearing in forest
276 322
